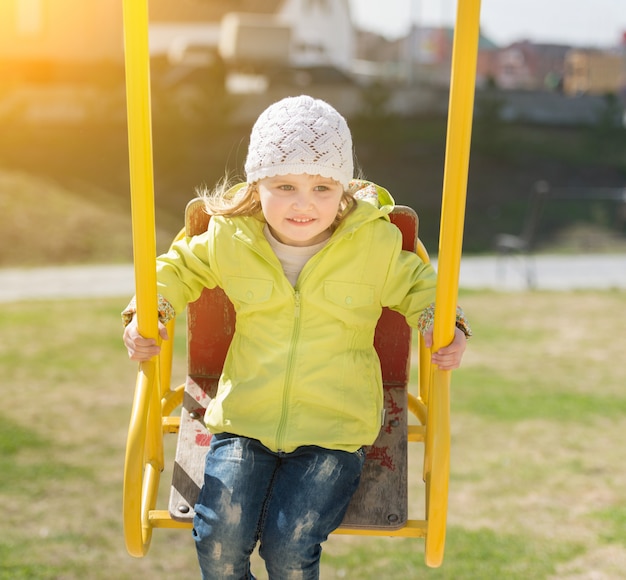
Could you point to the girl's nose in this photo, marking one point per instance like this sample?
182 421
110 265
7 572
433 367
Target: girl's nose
302 200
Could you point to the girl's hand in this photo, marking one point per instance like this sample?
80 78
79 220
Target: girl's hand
139 348
449 357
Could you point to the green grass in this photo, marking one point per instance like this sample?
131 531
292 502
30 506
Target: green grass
538 471
25 463
470 555
614 520
506 398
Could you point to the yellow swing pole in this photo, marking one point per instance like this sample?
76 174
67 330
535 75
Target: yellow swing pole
143 461
460 113
140 158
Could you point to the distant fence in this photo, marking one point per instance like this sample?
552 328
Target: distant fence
71 103
523 243
513 106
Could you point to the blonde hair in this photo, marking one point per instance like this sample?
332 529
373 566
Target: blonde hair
231 198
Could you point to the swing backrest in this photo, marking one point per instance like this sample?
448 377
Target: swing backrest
381 500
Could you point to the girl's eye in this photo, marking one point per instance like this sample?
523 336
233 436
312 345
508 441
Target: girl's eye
286 187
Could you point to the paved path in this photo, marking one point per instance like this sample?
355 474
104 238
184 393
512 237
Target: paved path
66 282
550 272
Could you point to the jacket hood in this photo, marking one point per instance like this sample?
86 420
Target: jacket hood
373 202
374 194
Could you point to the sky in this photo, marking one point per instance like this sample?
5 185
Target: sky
599 23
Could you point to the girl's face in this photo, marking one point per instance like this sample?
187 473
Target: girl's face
300 209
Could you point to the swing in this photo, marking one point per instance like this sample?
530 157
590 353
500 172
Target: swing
380 505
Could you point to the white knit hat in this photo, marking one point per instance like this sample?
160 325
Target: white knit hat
300 135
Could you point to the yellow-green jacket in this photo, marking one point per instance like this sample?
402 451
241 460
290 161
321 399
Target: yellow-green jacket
302 368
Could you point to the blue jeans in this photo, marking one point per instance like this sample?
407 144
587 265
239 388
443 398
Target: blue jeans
290 502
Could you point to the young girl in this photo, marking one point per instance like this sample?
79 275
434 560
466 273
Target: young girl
308 258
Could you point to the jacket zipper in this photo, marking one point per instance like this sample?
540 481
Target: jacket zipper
280 433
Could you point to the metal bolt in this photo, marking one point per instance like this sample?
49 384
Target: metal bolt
183 508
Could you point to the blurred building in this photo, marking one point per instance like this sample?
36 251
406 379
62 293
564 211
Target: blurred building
57 56
65 58
530 66
594 72
38 37
257 37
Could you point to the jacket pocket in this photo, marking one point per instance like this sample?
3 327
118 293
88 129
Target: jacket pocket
349 295
248 291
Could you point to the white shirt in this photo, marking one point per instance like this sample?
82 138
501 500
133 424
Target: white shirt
292 258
